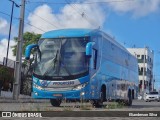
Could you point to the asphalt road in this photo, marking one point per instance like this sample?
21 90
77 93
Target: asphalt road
138 105
86 118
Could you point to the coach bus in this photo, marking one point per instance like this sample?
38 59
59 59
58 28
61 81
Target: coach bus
72 64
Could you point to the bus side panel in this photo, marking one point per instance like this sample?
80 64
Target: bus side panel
95 67
116 71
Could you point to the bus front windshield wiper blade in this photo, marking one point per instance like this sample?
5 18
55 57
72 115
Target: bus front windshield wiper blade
64 66
51 64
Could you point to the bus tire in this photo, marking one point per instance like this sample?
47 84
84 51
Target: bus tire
96 103
99 103
55 102
129 101
133 94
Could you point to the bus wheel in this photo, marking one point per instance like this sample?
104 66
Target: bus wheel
129 101
133 94
96 103
55 102
99 103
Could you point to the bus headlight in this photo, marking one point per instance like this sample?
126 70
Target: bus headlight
38 87
78 87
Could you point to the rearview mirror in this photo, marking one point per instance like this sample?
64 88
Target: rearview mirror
28 50
89 49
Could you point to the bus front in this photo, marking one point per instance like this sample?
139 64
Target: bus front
61 69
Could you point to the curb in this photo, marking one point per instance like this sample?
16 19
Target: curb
23 100
6 97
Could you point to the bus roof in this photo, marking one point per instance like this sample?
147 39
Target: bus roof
67 33
78 32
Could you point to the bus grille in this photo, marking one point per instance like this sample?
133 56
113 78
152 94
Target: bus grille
58 89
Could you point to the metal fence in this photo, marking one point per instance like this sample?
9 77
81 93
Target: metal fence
10 63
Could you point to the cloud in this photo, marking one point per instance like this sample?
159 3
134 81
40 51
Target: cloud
138 8
86 15
3 23
70 16
3 49
4 28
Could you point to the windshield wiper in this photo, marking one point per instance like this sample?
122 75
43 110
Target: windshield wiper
64 66
52 61
61 62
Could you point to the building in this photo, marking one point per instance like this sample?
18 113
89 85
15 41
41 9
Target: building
145 67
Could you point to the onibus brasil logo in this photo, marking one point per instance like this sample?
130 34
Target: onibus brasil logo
21 114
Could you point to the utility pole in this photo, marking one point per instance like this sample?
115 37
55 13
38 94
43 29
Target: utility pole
16 87
10 28
153 83
144 61
153 76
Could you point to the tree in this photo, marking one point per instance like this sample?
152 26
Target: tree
5 77
29 38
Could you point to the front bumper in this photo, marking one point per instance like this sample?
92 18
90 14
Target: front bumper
70 94
152 99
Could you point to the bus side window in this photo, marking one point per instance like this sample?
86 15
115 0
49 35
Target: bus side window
94 58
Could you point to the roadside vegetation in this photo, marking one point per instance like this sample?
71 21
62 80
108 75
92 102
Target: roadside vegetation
5 78
27 66
115 105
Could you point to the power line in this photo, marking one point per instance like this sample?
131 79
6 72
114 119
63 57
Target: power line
14 3
8 15
42 19
81 13
40 2
97 2
4 13
35 27
27 23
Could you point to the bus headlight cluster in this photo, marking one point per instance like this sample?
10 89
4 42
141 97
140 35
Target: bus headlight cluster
38 87
78 87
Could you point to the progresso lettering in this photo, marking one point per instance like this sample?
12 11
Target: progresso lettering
64 83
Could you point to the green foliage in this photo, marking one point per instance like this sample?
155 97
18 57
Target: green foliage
85 107
115 105
29 38
5 74
67 109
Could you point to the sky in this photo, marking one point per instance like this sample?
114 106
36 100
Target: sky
130 22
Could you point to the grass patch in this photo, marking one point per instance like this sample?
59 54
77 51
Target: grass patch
67 109
85 107
115 105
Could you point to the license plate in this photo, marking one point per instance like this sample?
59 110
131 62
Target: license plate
57 95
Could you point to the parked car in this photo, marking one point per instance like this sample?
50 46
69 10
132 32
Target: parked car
152 96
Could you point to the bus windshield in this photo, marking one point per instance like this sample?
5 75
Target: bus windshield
61 57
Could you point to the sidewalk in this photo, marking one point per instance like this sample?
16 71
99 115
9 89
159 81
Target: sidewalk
7 97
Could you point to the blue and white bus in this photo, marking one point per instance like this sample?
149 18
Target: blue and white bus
74 63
